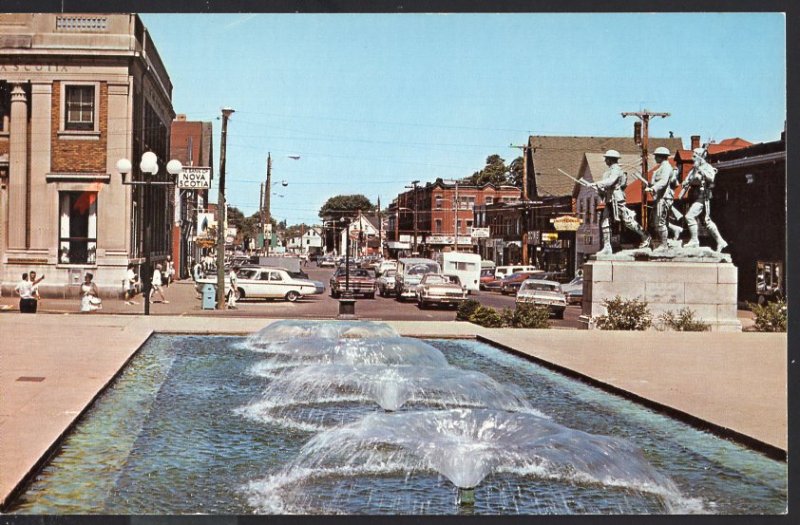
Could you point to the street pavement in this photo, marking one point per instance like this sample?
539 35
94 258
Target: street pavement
184 301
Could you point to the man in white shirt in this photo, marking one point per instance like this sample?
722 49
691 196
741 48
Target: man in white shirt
232 293
24 290
155 285
129 285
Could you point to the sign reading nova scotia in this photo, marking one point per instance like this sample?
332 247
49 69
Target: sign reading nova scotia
195 178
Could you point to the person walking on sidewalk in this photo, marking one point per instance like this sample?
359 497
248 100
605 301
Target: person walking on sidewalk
24 289
156 285
129 285
233 291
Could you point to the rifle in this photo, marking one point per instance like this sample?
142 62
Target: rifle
579 181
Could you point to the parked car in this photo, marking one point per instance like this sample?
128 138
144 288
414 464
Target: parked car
360 281
410 272
543 293
510 284
487 276
299 275
573 291
385 283
437 289
264 283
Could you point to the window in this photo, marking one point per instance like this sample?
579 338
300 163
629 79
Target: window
489 200
469 224
5 106
79 108
77 227
438 202
275 276
458 225
437 226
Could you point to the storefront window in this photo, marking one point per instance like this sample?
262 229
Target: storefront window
77 227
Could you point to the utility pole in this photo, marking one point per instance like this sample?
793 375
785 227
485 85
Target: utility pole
261 215
267 196
524 217
380 227
644 117
226 113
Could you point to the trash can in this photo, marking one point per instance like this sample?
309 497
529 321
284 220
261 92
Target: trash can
209 296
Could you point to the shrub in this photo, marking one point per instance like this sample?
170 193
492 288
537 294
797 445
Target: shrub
466 309
529 316
625 314
771 317
683 321
486 316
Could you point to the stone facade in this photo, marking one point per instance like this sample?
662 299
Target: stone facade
63 208
707 288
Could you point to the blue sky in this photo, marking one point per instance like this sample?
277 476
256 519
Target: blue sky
372 102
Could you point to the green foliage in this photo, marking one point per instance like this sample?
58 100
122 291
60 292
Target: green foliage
486 316
345 206
771 317
466 309
496 172
683 321
527 316
625 314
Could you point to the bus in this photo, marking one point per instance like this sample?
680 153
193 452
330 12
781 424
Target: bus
467 266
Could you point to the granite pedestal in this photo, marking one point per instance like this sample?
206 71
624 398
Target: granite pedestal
708 288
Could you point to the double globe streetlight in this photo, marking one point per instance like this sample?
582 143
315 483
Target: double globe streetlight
148 166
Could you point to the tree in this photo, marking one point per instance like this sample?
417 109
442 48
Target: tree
345 206
496 172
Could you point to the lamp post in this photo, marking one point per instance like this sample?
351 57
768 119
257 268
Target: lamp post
347 304
226 113
148 166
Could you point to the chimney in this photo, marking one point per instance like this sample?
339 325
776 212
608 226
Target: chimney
695 141
180 117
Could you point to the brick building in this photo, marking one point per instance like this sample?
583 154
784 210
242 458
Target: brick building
432 212
192 144
78 93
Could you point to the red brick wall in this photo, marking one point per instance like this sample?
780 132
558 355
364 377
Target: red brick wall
77 155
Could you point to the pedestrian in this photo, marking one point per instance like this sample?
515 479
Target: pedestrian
611 189
35 284
663 185
233 292
156 283
699 183
90 298
169 271
129 285
197 271
24 289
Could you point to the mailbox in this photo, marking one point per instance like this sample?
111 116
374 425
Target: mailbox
209 296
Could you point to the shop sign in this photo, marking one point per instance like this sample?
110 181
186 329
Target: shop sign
566 223
534 237
479 233
549 236
194 178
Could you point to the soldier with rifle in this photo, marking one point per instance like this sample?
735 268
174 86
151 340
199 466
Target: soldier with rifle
699 183
665 180
611 189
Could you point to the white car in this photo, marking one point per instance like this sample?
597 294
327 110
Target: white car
265 283
543 293
383 266
574 290
438 289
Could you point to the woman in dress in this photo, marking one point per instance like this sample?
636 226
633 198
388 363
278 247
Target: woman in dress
90 296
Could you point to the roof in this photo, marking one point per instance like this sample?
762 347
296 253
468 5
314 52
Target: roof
549 153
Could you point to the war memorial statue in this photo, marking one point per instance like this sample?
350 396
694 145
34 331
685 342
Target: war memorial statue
671 276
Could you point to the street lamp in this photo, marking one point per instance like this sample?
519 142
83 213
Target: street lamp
148 166
347 304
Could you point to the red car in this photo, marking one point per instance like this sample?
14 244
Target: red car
511 284
487 276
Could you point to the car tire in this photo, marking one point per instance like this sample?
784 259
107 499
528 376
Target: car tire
421 305
240 294
335 295
560 314
292 296
371 295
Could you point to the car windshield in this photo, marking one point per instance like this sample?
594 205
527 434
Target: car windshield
577 280
540 287
358 272
246 274
421 269
389 273
487 273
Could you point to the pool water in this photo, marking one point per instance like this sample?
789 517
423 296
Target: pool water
177 433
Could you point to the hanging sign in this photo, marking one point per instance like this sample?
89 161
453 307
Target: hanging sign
194 178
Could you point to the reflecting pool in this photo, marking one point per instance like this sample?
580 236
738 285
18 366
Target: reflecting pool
353 419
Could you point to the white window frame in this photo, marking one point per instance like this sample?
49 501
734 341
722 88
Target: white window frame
62 127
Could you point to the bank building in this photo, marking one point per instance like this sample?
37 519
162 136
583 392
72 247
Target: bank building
77 94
